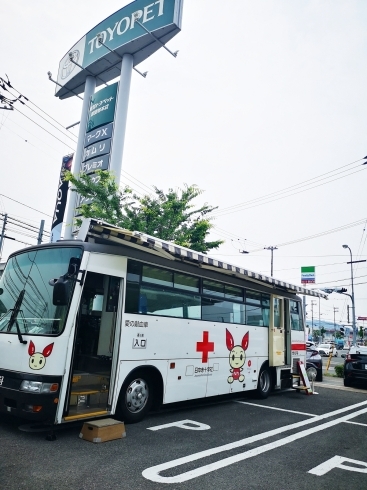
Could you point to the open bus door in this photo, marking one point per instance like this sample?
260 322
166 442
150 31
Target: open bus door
94 360
278 332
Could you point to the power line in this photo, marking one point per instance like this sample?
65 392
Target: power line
317 235
231 209
7 82
44 129
58 129
34 209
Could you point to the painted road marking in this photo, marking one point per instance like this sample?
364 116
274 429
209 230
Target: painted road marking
295 411
153 473
337 462
182 424
355 423
276 408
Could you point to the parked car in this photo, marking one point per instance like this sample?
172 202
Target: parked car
327 349
355 365
313 363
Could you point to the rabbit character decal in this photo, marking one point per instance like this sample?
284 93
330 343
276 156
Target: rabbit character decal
37 360
237 356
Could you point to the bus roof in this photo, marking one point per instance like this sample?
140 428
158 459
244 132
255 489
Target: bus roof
94 229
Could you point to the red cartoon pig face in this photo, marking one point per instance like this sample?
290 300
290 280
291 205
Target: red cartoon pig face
37 360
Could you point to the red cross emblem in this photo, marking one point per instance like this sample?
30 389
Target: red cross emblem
205 347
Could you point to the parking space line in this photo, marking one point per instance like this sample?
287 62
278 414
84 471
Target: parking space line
153 473
355 423
276 408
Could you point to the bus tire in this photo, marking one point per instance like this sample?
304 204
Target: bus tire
264 383
136 397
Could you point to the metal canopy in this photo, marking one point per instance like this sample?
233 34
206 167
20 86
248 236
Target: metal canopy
93 229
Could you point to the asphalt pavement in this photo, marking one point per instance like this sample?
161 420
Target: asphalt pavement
290 441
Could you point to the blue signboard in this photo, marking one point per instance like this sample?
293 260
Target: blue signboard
102 133
101 163
97 150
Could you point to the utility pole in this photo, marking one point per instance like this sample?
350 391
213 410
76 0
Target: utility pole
312 305
3 233
2 236
40 233
335 309
272 250
352 295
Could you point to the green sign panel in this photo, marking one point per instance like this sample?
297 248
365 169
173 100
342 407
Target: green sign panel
102 107
308 275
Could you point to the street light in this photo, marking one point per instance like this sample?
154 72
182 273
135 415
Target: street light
352 297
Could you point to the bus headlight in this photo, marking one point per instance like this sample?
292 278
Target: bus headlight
38 387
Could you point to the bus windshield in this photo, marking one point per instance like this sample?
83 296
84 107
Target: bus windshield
26 305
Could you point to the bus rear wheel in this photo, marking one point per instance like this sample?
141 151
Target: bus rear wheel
136 397
264 383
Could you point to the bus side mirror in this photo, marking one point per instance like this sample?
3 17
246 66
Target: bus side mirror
61 292
74 265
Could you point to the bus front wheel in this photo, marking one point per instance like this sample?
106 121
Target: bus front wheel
135 398
264 383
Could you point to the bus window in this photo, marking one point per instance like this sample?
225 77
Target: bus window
296 317
189 283
217 310
164 302
277 311
213 288
154 275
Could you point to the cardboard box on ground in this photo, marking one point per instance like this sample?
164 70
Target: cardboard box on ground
103 430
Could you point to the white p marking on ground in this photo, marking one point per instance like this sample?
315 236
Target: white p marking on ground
182 424
337 462
153 473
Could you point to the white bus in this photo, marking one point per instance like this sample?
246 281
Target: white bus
117 322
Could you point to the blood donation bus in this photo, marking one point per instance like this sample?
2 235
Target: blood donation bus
116 322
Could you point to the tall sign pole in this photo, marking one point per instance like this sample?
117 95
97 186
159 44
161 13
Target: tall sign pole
110 50
90 86
121 116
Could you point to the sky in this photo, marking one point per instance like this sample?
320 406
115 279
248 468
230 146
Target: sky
264 109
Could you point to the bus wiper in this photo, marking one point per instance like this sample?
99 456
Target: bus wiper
14 314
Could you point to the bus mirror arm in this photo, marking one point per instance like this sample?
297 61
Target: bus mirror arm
81 280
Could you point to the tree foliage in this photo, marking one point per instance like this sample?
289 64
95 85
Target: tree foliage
170 216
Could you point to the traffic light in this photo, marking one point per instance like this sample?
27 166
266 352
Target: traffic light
342 331
340 290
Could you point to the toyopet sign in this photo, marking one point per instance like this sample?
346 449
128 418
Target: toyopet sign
308 275
122 34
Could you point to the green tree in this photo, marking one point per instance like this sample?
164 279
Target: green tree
360 332
170 216
322 331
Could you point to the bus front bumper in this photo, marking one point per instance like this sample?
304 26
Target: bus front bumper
40 407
